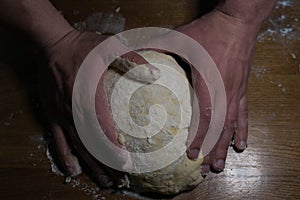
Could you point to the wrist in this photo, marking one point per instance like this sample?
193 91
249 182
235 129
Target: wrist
252 12
248 30
43 22
47 39
62 40
37 18
61 48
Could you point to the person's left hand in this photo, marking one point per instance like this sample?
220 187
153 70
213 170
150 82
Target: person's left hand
57 80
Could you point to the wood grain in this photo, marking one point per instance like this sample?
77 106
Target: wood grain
268 169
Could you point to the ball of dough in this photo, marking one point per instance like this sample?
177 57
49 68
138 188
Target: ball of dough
167 111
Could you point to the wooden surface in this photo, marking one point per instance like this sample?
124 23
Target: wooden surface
268 169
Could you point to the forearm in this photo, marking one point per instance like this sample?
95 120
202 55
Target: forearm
38 18
251 12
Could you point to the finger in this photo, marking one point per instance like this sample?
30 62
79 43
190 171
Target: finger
136 58
221 148
199 125
121 179
93 167
205 167
66 160
240 138
104 115
106 176
145 72
107 124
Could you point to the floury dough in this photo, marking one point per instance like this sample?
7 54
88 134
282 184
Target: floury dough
150 116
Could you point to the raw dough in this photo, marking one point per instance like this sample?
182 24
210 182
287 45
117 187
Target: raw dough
182 174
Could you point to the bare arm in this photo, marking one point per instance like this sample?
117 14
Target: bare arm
66 49
38 18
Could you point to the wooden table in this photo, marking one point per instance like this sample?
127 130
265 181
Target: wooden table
268 169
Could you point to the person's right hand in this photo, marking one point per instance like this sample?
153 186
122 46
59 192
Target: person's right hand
64 60
229 34
231 43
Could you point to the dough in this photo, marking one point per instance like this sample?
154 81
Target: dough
171 114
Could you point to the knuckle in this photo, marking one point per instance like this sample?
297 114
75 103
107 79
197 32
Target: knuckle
230 124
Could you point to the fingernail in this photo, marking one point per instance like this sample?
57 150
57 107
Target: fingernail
67 180
219 165
205 170
73 168
144 74
105 181
242 145
123 182
193 154
154 71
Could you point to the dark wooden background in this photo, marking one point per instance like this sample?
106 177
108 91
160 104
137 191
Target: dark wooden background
268 169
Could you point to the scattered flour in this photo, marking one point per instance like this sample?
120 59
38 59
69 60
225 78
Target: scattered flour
118 9
93 191
283 28
284 3
54 167
8 120
258 71
281 87
277 26
112 23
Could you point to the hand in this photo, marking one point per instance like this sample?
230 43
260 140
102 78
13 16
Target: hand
231 44
65 58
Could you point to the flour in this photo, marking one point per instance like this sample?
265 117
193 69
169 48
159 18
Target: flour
118 9
54 167
283 28
277 26
8 120
284 3
258 71
111 23
280 86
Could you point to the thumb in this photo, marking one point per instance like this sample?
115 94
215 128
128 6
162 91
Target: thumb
145 71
